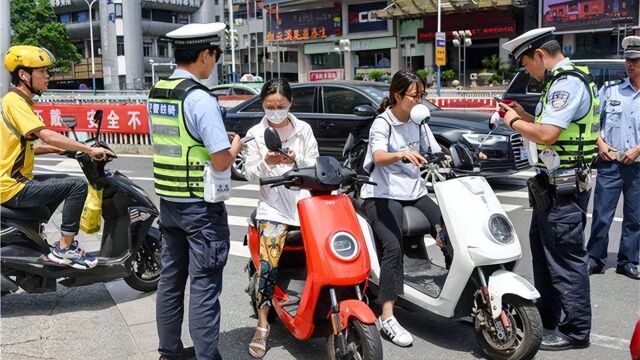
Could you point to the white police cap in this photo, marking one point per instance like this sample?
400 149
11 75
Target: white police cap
532 39
631 46
197 35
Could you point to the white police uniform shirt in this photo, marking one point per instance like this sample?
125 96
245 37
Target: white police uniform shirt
568 99
203 119
398 181
620 115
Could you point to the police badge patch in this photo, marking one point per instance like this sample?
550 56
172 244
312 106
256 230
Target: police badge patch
559 99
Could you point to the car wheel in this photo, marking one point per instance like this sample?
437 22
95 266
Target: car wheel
238 171
434 173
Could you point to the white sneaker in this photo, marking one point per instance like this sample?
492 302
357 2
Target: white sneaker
396 333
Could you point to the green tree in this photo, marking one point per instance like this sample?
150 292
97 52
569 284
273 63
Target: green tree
35 23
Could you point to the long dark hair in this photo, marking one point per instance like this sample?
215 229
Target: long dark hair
400 84
276 86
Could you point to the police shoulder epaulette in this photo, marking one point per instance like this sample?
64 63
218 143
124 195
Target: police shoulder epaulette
611 83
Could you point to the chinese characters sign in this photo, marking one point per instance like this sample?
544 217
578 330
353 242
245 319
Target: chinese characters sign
568 15
482 24
319 75
303 25
125 118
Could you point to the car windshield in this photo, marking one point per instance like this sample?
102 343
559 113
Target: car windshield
379 91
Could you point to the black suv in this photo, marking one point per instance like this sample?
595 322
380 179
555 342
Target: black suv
526 90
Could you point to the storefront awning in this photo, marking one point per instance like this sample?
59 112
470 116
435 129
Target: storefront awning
419 8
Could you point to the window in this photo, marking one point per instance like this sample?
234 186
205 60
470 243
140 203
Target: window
163 48
534 86
216 2
146 48
239 91
303 99
64 18
80 16
162 15
256 106
120 45
342 101
220 92
217 18
118 10
146 14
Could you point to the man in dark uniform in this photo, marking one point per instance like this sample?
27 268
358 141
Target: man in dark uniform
565 129
188 134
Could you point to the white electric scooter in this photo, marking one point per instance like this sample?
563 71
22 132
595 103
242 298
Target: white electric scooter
484 248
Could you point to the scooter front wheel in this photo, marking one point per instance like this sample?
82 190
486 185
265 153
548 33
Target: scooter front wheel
520 340
146 264
363 342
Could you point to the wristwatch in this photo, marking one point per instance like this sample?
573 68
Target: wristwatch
514 120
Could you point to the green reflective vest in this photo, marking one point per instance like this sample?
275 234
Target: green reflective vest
178 157
576 145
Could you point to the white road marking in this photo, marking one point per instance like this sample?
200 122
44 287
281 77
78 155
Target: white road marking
251 187
514 194
237 220
508 207
610 342
239 201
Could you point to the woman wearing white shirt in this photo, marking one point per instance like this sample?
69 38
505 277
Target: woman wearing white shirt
395 147
277 211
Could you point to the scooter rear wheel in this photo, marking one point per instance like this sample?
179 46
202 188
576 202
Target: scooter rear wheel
146 265
523 342
363 342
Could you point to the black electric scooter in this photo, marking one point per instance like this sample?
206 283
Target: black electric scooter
130 247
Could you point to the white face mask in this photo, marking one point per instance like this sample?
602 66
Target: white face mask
276 116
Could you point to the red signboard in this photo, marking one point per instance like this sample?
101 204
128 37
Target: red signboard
482 24
318 75
116 118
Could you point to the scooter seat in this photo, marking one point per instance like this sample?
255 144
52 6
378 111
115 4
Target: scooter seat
414 222
40 213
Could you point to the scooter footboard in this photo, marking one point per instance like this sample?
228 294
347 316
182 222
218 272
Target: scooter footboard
357 309
503 282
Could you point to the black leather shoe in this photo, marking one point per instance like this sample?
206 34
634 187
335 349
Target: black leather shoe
555 342
631 272
594 270
186 354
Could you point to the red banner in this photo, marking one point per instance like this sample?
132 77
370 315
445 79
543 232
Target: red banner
116 118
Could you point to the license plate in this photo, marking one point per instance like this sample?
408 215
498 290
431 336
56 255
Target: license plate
524 155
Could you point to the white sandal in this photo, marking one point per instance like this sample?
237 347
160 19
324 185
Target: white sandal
258 345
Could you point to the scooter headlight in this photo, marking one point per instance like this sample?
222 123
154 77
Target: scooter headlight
500 229
344 245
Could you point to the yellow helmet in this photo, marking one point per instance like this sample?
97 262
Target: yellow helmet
27 56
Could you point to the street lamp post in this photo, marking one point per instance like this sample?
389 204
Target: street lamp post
93 60
342 46
462 39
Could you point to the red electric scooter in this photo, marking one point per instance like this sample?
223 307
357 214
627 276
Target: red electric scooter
324 267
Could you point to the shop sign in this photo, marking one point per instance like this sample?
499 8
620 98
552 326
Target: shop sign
441 53
123 118
304 25
362 17
572 15
329 74
482 24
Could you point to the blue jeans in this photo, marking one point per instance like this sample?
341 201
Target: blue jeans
51 190
614 178
195 244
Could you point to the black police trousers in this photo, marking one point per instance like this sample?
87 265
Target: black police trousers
195 245
560 264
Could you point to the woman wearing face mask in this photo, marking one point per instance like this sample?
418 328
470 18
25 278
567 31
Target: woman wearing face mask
276 212
395 147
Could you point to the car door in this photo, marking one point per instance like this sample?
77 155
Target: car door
338 119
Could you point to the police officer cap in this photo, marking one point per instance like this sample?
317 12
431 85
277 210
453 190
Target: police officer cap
631 46
532 39
197 36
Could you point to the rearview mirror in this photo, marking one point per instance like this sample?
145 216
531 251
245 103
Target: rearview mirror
69 121
420 114
365 110
272 139
494 121
348 145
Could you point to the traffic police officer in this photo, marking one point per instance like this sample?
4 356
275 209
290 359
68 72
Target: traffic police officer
565 127
619 167
188 132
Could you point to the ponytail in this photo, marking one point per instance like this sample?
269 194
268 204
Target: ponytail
386 102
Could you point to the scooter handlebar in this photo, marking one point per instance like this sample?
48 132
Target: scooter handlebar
274 180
